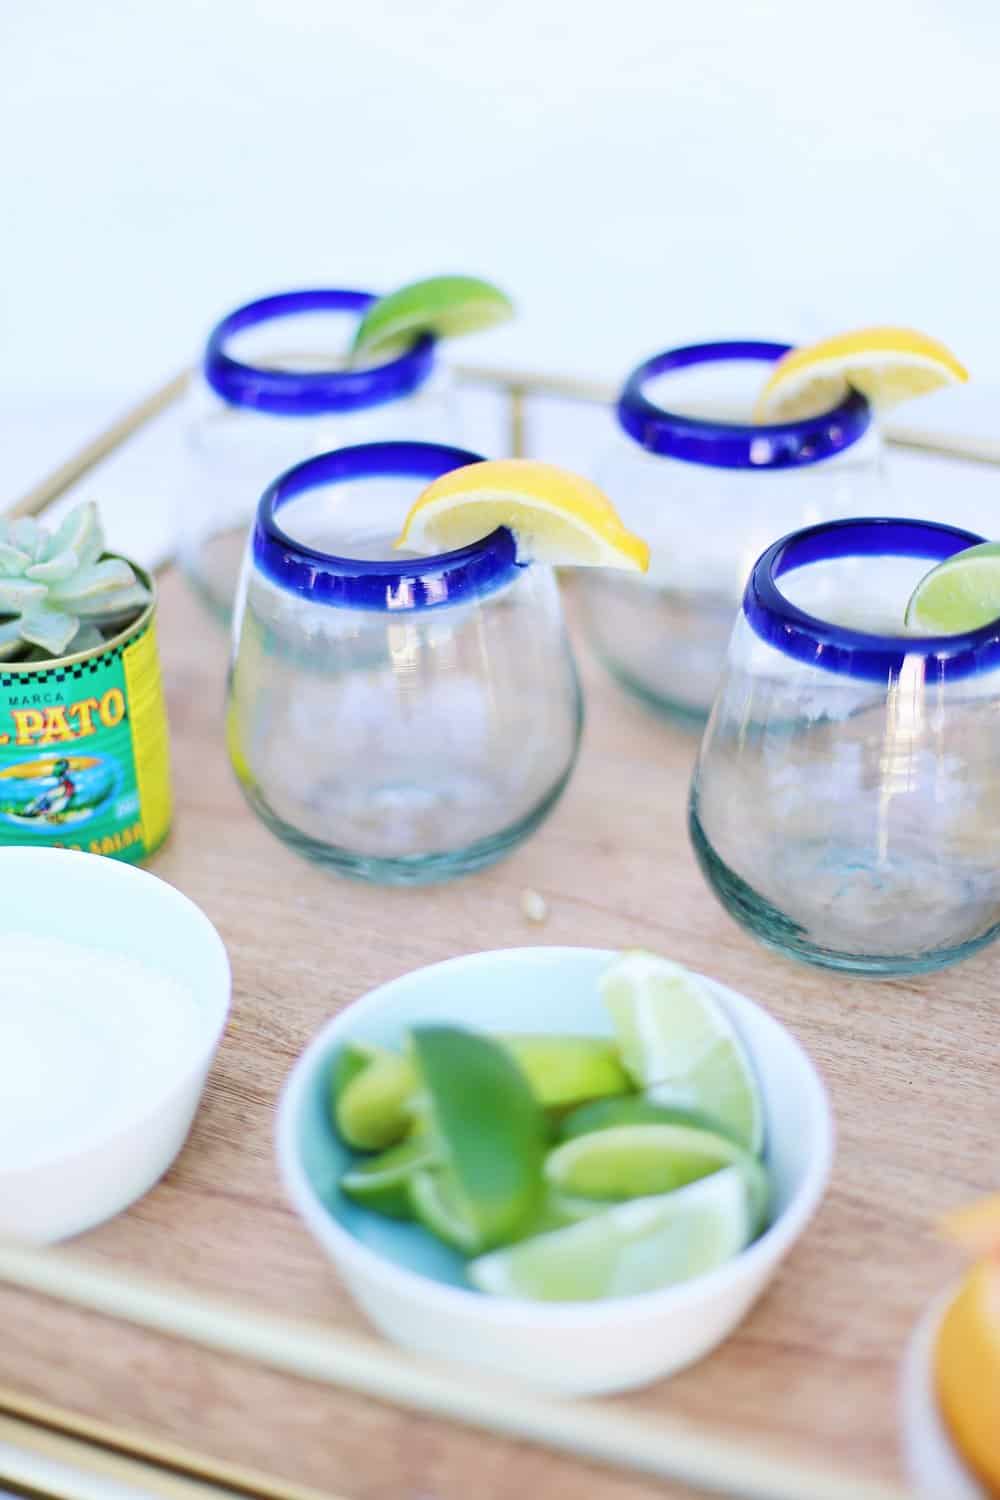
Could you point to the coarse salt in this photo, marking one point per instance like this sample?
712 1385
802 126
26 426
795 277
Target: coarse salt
89 1042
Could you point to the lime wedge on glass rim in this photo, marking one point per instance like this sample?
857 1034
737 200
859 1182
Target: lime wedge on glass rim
633 1247
489 1133
643 1161
679 1046
962 593
446 306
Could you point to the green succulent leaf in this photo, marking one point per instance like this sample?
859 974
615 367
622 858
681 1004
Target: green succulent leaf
96 580
110 607
59 588
18 595
81 532
13 560
50 629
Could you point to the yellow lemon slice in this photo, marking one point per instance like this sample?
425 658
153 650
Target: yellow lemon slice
888 365
967 1356
557 517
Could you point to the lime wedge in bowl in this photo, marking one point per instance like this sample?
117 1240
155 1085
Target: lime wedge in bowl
678 1045
371 1096
567 1070
446 306
643 1161
634 1109
382 1183
634 1247
962 593
490 1132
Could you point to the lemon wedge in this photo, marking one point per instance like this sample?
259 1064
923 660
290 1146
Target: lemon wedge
556 517
967 1354
888 365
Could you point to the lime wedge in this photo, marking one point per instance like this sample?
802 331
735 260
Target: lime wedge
438 1203
678 1045
446 306
565 1070
490 1129
642 1161
351 1060
372 1089
631 1248
382 1183
960 594
632 1109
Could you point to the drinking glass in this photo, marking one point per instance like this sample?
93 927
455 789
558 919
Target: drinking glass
847 794
709 491
274 389
401 719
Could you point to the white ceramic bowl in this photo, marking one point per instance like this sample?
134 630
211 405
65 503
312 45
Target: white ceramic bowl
934 1466
411 1289
89 1171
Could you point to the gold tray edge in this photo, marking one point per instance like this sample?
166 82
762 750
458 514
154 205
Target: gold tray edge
518 385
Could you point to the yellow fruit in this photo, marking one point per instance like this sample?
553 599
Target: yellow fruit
557 517
888 365
976 1228
967 1371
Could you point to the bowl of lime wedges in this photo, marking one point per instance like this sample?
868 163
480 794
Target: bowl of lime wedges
565 1165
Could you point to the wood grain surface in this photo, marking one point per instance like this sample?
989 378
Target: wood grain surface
912 1066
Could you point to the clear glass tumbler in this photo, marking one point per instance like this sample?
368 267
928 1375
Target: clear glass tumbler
847 795
401 719
274 389
709 491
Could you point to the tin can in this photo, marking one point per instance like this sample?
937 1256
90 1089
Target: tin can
84 749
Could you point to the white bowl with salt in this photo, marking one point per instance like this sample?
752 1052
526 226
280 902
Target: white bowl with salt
114 997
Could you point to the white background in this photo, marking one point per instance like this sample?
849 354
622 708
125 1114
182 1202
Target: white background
635 173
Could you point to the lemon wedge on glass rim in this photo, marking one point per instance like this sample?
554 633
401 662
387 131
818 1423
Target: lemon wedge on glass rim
556 517
888 365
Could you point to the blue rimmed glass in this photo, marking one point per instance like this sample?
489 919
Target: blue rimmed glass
709 490
847 794
273 390
401 719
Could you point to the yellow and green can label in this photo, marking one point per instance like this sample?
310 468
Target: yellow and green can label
84 752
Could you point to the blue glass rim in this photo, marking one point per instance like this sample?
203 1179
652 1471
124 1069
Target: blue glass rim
855 653
309 392
393 584
733 445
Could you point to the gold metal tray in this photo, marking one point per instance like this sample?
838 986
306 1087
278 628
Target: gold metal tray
201 1339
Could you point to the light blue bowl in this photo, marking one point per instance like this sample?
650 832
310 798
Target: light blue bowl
413 1288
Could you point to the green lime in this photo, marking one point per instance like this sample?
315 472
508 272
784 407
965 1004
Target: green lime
371 1108
642 1161
440 1206
632 1109
434 1198
351 1060
560 1209
382 1182
630 1248
960 594
443 305
565 1070
490 1128
678 1045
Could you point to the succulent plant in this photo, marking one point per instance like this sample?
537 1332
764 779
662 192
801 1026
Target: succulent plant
59 593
